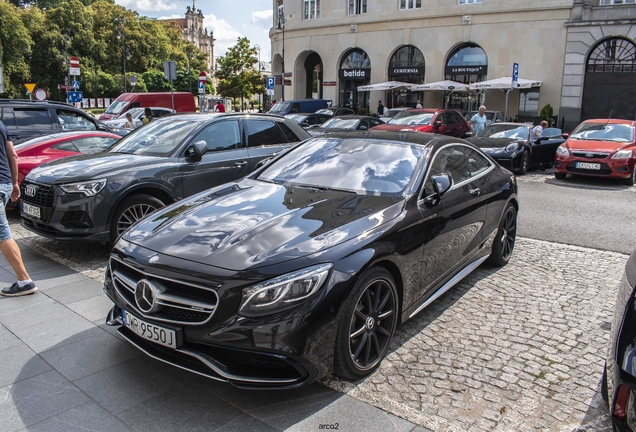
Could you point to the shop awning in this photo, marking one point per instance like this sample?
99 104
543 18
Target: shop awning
504 83
441 86
389 85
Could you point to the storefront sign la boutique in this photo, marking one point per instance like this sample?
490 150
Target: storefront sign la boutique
467 70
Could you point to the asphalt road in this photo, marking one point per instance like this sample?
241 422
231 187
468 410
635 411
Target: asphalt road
595 213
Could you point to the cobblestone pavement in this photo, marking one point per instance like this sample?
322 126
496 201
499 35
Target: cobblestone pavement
516 348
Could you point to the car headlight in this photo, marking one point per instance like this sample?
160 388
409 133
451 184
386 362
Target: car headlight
88 188
284 291
562 150
622 154
512 147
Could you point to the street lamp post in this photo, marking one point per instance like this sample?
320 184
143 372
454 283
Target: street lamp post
124 50
257 47
281 26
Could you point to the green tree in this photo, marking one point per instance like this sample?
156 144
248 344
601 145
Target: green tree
155 81
239 78
15 48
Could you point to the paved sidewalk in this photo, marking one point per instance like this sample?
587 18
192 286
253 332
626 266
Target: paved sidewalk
62 369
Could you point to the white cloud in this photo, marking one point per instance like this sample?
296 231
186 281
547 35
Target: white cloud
224 33
265 15
148 5
173 16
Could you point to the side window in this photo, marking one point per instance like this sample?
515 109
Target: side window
29 117
7 118
375 123
295 108
313 119
134 105
455 119
291 137
70 120
263 132
476 162
93 144
66 146
450 160
159 113
221 136
364 124
324 118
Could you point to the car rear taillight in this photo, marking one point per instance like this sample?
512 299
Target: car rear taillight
620 404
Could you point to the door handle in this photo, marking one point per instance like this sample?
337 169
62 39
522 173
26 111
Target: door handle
240 164
474 192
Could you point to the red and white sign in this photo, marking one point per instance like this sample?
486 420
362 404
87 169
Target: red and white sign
40 94
203 76
74 62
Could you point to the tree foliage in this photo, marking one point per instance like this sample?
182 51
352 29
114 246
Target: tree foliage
239 78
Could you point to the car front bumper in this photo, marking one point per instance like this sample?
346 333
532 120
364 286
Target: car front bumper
613 168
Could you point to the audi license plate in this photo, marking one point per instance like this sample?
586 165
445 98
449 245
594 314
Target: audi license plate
151 332
31 210
587 165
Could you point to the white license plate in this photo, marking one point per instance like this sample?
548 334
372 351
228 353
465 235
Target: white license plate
31 210
587 165
151 332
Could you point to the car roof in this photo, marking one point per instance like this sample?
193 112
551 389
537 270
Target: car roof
354 117
35 102
512 124
71 134
419 138
210 116
611 121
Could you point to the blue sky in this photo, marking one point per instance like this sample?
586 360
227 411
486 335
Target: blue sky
228 19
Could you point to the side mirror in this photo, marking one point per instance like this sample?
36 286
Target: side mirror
200 148
565 135
305 124
442 184
363 128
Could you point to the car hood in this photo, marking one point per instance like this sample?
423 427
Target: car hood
395 127
492 142
321 131
252 224
592 145
90 166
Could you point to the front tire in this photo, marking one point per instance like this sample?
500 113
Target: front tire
506 238
525 161
632 178
560 176
130 211
367 324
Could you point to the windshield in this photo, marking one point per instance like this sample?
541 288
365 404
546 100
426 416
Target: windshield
393 112
296 117
505 131
33 141
551 132
359 166
412 118
489 115
280 107
325 111
604 132
117 107
134 112
340 123
157 138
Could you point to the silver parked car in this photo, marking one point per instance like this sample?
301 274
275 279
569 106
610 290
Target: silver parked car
137 115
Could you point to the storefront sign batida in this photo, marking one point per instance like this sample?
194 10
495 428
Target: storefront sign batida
466 70
355 74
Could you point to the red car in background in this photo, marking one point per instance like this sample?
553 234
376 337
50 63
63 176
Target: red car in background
36 151
599 148
441 121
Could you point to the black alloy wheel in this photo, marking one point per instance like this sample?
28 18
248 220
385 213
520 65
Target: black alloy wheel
130 211
367 324
504 243
632 178
523 165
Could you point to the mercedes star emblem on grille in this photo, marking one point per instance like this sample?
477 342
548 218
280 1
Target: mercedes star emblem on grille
146 296
30 191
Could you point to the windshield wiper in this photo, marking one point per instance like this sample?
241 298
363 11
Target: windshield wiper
327 188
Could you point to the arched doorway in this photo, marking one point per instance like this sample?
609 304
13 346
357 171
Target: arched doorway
355 71
407 64
308 73
467 63
610 80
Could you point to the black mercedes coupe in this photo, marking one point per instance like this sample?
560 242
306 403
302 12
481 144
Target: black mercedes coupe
306 267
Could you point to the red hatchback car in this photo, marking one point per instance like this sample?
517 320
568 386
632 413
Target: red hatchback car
440 121
599 148
36 151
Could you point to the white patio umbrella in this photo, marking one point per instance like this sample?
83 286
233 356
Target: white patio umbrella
446 85
504 83
389 85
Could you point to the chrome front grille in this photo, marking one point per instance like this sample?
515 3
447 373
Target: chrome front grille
177 301
590 155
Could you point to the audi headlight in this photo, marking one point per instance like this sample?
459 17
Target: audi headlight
88 188
622 154
512 147
284 291
562 150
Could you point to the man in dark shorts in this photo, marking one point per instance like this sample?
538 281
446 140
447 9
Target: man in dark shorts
9 188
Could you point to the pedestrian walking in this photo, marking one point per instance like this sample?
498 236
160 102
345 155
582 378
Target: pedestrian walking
147 116
537 130
130 123
380 108
419 104
478 122
9 188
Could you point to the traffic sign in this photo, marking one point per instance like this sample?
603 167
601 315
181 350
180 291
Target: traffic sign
64 87
40 94
133 79
74 71
75 85
74 61
271 81
30 87
74 96
201 85
203 76
515 75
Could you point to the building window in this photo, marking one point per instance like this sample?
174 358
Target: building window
529 102
461 2
617 2
357 7
312 9
410 4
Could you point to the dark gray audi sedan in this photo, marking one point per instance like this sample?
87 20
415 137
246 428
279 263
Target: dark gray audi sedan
97 197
